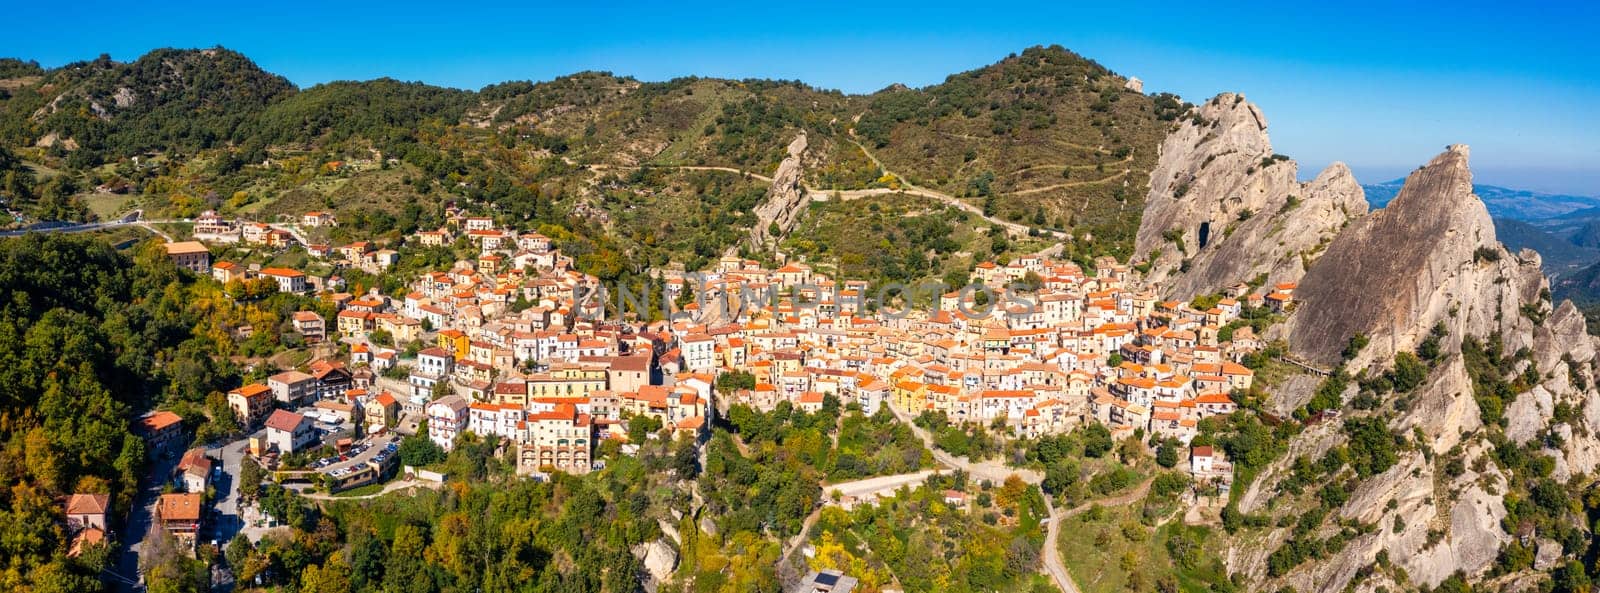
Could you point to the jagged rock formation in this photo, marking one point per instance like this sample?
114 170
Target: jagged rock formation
1431 254
786 199
1430 258
1224 205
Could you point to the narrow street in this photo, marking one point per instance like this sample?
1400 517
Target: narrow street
226 520
140 520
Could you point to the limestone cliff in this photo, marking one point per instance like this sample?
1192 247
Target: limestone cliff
1223 208
1430 259
786 199
1430 256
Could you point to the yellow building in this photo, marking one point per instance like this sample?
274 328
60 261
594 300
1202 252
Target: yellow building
911 396
455 342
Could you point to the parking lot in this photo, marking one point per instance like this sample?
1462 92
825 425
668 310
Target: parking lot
365 462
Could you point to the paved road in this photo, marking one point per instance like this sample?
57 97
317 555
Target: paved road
96 226
878 484
227 521
140 519
387 488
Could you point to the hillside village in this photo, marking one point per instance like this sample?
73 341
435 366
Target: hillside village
516 345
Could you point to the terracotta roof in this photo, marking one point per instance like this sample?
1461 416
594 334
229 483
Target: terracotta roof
253 390
180 507
186 248
159 421
284 420
86 537
88 504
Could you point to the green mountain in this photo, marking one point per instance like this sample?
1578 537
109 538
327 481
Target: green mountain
1559 255
167 100
1045 138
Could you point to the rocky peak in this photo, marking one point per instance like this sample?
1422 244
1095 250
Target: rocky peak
1223 208
1431 256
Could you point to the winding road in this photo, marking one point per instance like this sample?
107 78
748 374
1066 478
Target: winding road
998 472
1016 230
98 226
136 219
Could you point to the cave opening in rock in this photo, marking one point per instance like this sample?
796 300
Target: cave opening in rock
1205 233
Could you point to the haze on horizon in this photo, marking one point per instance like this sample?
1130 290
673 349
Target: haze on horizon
1379 87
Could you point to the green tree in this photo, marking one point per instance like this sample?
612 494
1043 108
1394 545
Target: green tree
419 451
250 477
1167 455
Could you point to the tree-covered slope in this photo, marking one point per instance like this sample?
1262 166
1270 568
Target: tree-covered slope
167 100
1045 138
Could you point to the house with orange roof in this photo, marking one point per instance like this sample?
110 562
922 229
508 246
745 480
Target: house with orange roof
227 271
161 431
290 281
190 255
910 396
455 342
1214 404
809 402
180 514
1238 375
560 439
382 409
250 403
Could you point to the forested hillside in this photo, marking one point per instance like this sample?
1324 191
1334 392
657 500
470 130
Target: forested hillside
89 338
1045 138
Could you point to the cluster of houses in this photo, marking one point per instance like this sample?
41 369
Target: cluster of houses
506 345
1084 348
500 351
181 511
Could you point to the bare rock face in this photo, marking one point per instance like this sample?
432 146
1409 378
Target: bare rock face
786 199
1429 257
1223 202
659 561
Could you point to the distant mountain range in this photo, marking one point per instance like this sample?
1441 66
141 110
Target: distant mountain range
1503 202
1564 229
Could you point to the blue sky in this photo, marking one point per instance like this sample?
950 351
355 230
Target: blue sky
1378 86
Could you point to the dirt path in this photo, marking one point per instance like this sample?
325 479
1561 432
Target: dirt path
1015 229
1035 190
800 538
1126 159
1136 493
604 167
